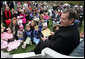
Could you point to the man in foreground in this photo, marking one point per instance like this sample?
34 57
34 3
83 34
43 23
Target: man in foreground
66 39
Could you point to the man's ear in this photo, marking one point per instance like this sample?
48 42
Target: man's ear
72 20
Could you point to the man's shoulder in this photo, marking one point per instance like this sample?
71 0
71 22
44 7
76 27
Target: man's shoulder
69 27
69 30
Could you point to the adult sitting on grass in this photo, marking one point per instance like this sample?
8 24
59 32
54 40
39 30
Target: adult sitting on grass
64 40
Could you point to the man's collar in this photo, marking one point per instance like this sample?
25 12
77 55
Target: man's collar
72 24
67 26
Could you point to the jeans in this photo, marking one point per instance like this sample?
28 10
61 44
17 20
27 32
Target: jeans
36 40
79 51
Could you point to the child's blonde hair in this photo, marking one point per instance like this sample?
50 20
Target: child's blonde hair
14 19
33 21
27 25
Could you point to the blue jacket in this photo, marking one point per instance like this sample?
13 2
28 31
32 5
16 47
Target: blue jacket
37 34
27 34
40 26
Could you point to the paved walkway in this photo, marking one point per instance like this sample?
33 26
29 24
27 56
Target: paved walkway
5 55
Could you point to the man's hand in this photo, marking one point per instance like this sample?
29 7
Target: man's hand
52 33
4 28
43 38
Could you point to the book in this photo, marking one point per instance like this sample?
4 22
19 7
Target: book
46 33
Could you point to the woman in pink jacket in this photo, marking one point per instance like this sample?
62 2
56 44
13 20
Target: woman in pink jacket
5 37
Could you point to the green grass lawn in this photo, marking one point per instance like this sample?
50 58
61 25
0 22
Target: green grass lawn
50 24
21 50
82 27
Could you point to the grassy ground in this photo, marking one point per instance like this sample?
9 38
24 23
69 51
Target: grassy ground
20 50
50 24
81 29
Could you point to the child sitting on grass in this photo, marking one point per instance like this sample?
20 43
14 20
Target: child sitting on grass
27 36
36 35
45 31
7 41
20 33
41 22
6 38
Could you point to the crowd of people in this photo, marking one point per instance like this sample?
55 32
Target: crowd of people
24 23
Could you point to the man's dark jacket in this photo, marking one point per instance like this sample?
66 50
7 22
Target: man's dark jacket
64 41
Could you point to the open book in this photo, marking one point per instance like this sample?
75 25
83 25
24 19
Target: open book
46 32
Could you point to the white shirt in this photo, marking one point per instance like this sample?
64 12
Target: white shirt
36 19
19 22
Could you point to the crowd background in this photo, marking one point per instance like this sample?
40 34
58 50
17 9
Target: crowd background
44 14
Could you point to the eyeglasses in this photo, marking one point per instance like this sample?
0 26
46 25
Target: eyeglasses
63 18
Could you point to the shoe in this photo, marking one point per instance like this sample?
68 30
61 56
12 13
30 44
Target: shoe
23 47
30 43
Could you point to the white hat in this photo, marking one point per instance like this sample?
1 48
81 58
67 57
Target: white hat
22 10
37 19
18 16
45 24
